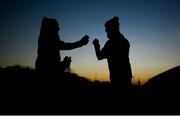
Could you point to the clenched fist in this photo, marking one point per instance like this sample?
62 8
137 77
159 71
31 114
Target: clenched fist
84 40
96 42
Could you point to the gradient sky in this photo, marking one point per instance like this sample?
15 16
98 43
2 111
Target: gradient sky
151 26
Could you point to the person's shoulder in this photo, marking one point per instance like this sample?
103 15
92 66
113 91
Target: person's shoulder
124 38
108 42
60 41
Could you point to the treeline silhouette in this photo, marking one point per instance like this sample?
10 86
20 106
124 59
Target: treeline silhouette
22 92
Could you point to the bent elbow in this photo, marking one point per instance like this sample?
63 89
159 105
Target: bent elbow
99 58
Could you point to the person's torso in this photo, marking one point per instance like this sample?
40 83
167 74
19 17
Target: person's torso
118 57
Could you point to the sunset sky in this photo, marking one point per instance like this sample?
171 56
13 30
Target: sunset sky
151 26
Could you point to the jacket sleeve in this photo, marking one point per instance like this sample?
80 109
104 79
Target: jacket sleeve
69 46
102 54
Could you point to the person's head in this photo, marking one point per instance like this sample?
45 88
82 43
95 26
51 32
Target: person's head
112 27
49 26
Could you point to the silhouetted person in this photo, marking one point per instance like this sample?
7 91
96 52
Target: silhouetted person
116 51
48 62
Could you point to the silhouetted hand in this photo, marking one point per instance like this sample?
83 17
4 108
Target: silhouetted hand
96 42
84 40
67 59
67 63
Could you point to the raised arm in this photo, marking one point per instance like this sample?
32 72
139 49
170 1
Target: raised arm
100 54
77 44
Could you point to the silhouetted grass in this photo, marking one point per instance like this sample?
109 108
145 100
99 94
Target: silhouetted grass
23 92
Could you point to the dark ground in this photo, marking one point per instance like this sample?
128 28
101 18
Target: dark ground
22 92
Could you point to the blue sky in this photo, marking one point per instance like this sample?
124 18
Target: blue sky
151 26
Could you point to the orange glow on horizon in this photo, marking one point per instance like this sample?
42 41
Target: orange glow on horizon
100 73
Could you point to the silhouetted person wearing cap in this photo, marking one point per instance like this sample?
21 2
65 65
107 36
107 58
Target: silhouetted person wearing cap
116 50
48 62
